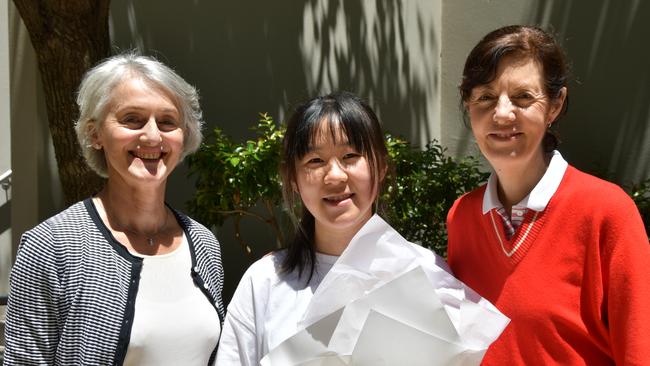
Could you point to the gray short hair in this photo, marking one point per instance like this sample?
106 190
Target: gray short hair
94 96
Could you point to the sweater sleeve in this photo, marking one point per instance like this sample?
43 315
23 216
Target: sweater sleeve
239 343
627 282
32 329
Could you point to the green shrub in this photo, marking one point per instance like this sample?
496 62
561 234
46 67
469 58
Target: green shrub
234 179
423 187
640 193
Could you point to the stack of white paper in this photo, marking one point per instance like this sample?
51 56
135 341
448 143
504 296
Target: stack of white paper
390 302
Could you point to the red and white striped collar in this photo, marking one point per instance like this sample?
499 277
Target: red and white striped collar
539 197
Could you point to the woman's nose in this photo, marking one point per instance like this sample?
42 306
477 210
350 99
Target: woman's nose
150 132
504 110
335 172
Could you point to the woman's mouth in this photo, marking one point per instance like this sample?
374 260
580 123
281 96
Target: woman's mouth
338 199
151 155
505 136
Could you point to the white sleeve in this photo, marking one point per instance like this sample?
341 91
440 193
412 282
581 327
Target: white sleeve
238 345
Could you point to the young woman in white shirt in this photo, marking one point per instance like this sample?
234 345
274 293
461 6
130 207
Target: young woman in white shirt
334 161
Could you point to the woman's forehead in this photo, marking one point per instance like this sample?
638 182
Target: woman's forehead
328 131
519 71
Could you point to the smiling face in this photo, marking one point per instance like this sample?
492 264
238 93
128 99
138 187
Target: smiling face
335 184
509 116
141 134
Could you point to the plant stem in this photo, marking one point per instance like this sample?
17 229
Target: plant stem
243 212
279 237
245 247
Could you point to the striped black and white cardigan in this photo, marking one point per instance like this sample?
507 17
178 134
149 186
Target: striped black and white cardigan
73 289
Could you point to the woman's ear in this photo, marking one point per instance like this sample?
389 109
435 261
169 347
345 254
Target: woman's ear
556 105
294 186
93 135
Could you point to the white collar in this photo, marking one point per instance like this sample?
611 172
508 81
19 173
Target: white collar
538 198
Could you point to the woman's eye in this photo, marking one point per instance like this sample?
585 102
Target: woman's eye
523 99
485 98
349 156
314 161
167 124
132 120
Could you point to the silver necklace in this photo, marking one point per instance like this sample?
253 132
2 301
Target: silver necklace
150 238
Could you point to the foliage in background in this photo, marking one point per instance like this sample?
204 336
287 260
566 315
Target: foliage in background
235 180
422 189
640 193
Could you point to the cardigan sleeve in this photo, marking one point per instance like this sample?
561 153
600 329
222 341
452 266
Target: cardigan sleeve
32 329
626 273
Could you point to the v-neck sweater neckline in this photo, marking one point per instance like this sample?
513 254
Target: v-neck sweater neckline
513 250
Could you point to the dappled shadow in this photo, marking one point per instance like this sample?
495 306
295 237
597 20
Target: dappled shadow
607 129
258 56
385 51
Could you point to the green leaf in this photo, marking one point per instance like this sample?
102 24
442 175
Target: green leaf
234 161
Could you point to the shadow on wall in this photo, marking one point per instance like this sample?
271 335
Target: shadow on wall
255 56
607 128
258 56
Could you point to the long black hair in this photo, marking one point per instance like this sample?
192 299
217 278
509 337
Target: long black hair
349 118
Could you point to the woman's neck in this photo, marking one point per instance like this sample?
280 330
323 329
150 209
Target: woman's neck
333 240
516 181
140 209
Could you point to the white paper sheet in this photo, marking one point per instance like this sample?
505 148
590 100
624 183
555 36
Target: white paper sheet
390 302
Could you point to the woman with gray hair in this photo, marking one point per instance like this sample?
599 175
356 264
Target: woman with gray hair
121 277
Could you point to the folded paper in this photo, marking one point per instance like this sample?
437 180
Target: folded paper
387 301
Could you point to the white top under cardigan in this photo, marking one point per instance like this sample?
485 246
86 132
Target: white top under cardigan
266 308
172 324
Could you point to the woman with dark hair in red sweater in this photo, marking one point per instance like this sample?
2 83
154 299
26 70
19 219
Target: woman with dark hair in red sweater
563 254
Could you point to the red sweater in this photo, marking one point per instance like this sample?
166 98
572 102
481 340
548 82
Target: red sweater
577 289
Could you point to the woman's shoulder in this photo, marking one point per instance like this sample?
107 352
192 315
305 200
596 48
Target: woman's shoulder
469 202
595 190
472 197
57 234
67 220
269 267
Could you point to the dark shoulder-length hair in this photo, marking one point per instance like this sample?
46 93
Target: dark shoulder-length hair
526 42
350 119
